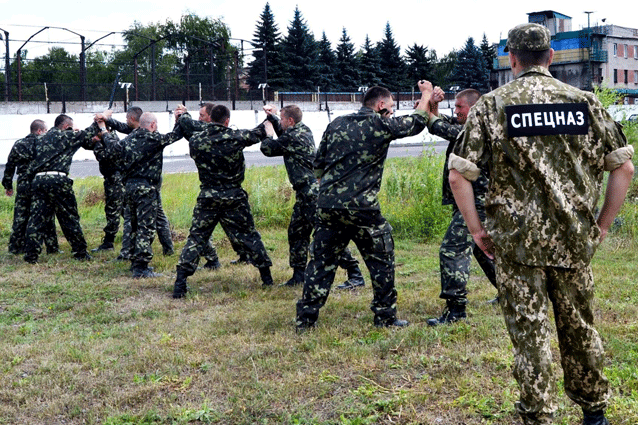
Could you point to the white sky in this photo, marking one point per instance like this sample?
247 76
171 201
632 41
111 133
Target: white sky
440 25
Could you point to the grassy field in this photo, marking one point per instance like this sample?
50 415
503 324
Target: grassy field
83 343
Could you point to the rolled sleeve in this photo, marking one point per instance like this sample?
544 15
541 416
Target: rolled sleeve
468 169
618 157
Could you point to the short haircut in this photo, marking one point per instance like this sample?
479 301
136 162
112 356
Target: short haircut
219 114
470 95
146 119
209 107
61 120
292 111
135 112
37 125
529 58
374 94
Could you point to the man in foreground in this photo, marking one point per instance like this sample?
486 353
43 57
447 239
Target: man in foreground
350 163
547 145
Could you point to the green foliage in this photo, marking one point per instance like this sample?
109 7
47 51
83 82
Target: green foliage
300 56
607 95
419 64
470 71
392 73
347 79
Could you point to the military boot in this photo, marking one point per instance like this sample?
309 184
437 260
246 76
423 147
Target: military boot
212 264
180 288
453 312
107 244
355 279
266 277
241 260
143 271
297 277
594 418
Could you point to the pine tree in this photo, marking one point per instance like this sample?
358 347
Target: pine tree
299 49
327 60
369 69
418 63
347 75
393 69
268 67
489 53
470 71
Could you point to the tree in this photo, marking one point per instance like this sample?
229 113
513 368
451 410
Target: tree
443 68
470 71
489 53
418 64
299 50
347 77
369 68
392 72
327 60
268 64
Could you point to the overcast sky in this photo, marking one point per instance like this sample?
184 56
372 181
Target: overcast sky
440 25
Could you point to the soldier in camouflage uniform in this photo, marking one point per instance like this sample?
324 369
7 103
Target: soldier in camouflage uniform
18 161
349 163
218 153
162 225
52 189
297 146
142 158
455 254
547 145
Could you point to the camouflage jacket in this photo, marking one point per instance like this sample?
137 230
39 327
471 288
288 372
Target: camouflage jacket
18 161
218 152
297 146
351 154
449 129
140 153
57 147
544 187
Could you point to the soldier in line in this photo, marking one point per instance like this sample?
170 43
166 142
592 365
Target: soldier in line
297 146
18 162
52 189
218 153
547 145
162 226
349 163
142 160
455 254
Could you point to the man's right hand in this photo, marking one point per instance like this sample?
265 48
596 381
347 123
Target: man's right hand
270 109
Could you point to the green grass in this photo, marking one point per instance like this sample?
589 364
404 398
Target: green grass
83 343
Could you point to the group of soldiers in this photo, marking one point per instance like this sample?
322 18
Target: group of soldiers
523 174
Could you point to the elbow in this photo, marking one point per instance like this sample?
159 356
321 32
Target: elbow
456 179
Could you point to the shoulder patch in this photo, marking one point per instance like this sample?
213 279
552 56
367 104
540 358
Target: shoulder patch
547 119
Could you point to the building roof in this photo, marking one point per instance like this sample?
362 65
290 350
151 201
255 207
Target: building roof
551 14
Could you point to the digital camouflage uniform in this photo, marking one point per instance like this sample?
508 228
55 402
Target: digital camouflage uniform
349 163
18 162
297 147
218 154
458 245
52 189
142 160
162 225
540 214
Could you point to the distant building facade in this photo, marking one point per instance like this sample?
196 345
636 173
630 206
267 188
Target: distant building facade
599 55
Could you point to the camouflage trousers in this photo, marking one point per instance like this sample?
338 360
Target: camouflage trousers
53 194
235 216
302 223
162 227
142 202
455 258
113 201
21 218
525 295
373 236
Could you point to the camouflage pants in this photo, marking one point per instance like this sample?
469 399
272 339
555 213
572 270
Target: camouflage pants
302 223
113 201
235 216
525 294
373 236
455 258
53 194
162 226
21 218
142 202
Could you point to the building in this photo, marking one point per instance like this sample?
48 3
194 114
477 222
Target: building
597 55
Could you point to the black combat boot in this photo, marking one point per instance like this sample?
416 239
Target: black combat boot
241 260
143 271
390 323
107 244
453 312
266 277
594 418
355 279
212 264
297 277
180 288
